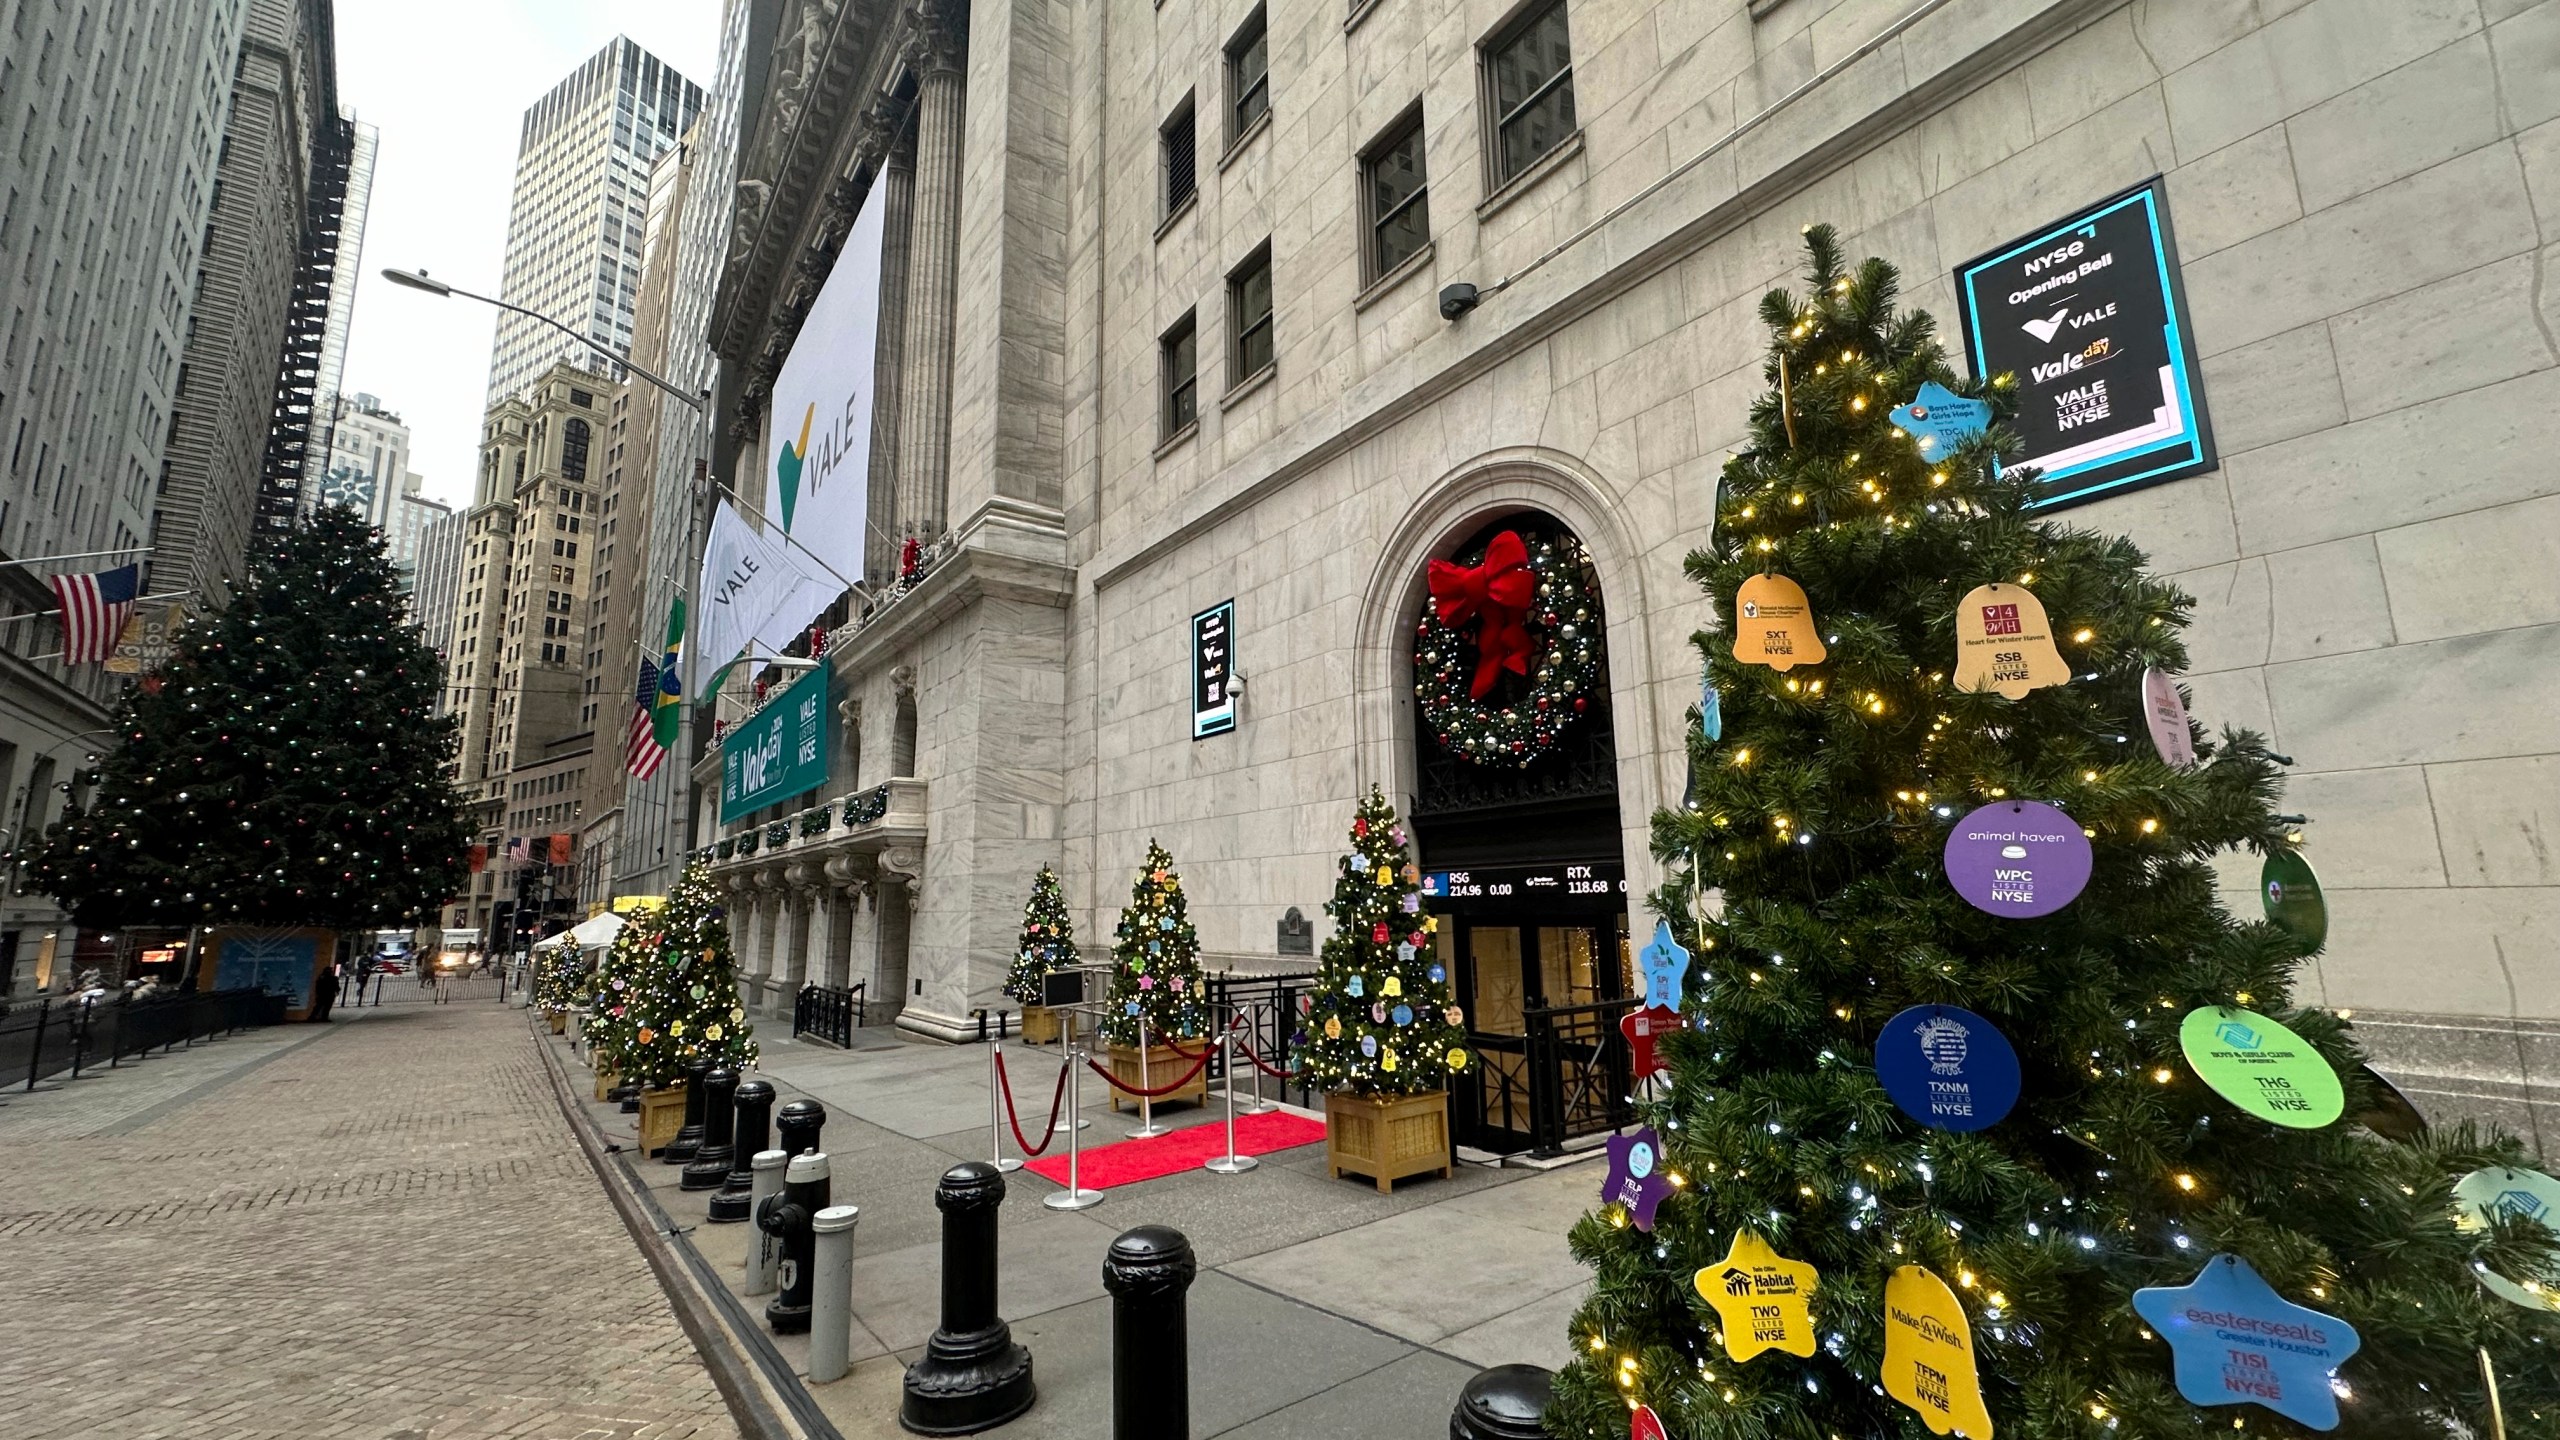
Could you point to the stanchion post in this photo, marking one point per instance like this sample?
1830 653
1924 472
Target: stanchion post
1075 1196
1256 1105
764 1252
1230 1163
1147 1125
995 1110
972 1375
1148 1271
831 1292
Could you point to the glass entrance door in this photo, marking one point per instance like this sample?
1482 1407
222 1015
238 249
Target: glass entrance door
1537 975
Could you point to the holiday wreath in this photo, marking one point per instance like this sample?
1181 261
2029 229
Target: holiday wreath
1525 606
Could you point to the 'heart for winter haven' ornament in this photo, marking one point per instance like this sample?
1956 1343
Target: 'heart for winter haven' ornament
2238 1342
2005 643
1764 1298
2017 859
1773 624
1635 1178
1928 1354
1938 420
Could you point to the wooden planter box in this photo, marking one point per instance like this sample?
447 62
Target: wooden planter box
1163 1064
1386 1137
661 1116
605 1081
560 1023
1039 1025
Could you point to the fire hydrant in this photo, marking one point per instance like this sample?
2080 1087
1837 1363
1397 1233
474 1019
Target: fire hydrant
790 1217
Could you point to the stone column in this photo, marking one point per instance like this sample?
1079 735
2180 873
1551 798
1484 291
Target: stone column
932 280
901 872
897 185
798 900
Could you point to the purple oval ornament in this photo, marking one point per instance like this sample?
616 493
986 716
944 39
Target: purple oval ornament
2017 859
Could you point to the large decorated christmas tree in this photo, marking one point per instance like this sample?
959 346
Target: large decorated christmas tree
1155 961
286 767
1048 939
1975 1054
679 997
1380 1020
612 1021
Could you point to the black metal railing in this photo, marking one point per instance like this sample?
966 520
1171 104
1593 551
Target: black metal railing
823 1013
55 1034
1269 1005
1566 1075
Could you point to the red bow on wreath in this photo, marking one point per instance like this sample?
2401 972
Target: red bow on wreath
1495 594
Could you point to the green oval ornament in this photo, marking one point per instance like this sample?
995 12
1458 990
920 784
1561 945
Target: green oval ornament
2527 1193
2262 1067
2292 897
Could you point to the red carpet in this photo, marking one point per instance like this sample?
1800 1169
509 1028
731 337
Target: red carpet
1127 1162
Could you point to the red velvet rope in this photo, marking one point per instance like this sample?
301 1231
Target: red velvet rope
1005 1081
1258 1063
1161 1091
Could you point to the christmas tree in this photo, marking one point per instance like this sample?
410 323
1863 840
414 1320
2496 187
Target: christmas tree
1048 939
284 768
1824 814
559 975
679 994
1155 961
1380 1021
611 1023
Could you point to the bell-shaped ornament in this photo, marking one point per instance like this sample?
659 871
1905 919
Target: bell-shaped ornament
2005 643
1773 624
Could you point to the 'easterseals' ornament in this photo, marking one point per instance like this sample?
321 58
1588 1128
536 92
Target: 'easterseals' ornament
2017 859
1764 1298
1635 1175
2164 713
1928 1354
2238 1342
2262 1067
1947 1068
1773 624
1938 420
2004 643
2292 897
2516 1194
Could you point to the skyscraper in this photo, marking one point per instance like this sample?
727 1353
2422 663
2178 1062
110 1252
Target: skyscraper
575 232
350 262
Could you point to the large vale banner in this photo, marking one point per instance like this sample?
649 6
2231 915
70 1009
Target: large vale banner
817 443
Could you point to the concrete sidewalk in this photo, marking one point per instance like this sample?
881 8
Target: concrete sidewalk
1322 1309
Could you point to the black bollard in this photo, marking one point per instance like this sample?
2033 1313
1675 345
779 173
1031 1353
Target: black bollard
689 1139
972 1376
710 1167
1148 1270
1507 1402
797 1124
751 1130
791 1216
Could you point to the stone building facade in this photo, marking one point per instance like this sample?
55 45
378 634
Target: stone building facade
1096 209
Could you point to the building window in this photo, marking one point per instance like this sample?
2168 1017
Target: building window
1181 167
1528 68
573 447
1395 195
1249 317
1248 75
1180 348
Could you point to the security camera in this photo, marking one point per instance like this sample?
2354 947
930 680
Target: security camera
1456 300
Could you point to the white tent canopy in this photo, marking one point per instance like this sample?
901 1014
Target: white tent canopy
592 934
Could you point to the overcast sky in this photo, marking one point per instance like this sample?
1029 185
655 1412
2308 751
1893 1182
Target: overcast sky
447 85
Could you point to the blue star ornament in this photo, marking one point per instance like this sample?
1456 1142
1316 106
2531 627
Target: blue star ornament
1939 420
1666 967
1635 1178
2239 1342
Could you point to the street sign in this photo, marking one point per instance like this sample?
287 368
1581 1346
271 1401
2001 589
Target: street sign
778 752
2089 316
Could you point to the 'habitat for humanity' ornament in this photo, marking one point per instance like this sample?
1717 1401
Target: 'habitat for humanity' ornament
1764 1298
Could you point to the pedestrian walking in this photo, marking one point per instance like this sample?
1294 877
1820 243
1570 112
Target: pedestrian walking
324 993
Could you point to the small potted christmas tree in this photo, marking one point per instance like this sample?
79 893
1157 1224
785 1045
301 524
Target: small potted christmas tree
1048 943
1380 1035
680 1003
1155 979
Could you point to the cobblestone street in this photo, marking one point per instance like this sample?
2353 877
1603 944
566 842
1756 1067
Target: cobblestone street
377 1228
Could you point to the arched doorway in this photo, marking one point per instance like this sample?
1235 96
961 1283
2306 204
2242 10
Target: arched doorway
1516 821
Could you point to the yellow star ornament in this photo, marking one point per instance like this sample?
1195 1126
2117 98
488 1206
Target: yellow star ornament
1764 1298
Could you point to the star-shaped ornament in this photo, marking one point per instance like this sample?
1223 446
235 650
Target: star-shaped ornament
1939 420
1666 968
1764 1298
1635 1178
2238 1342
1643 1028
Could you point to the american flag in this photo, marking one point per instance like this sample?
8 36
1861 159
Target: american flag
641 752
94 609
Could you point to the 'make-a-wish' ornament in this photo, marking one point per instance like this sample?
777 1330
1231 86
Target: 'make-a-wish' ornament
1928 1354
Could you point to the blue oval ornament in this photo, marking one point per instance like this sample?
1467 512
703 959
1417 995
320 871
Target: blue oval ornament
1948 1068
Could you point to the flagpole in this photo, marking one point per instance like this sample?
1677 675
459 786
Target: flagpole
139 600
83 555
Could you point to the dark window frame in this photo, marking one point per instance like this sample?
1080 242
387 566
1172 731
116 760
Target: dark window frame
1516 28
1179 399
1179 161
1248 92
1375 263
1242 331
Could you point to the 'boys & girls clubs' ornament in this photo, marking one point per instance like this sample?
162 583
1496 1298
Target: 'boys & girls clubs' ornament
2520 1194
2262 1067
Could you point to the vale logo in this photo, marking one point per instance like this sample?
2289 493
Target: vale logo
786 466
2045 329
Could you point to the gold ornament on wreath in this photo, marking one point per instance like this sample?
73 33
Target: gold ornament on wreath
1519 612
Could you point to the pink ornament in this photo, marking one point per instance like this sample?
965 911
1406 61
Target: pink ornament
1146 982
1177 984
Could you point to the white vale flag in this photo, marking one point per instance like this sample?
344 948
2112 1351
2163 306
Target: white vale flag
753 590
817 443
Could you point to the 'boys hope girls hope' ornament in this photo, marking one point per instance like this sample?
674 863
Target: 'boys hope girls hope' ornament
2017 859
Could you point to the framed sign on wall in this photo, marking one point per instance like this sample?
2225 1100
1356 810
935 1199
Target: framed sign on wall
2089 315
1213 644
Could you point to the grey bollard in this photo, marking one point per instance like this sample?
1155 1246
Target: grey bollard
1148 1271
972 1376
764 1255
831 1292
1507 1402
